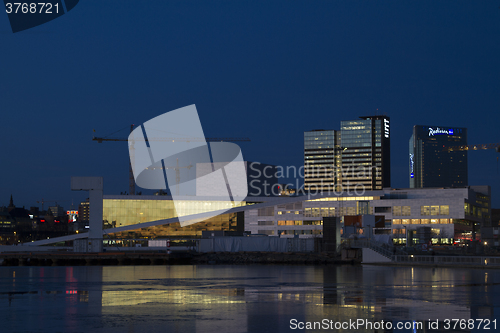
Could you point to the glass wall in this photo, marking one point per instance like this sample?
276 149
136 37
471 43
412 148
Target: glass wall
123 212
435 210
224 222
320 173
421 221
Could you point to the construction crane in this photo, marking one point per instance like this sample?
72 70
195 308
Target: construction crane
495 146
177 168
44 201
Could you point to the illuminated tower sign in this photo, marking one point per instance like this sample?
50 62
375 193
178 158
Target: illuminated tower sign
386 128
438 130
412 164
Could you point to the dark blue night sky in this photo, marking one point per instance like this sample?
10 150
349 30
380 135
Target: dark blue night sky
268 70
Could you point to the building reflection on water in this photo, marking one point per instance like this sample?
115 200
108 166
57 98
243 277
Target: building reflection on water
242 298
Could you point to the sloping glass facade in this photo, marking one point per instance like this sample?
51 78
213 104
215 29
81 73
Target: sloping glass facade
123 212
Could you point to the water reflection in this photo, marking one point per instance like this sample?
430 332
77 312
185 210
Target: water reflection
237 298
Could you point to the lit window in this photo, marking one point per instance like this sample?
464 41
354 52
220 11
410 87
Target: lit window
435 231
444 210
324 211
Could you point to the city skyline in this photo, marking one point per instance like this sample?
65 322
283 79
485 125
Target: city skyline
207 113
74 204
252 71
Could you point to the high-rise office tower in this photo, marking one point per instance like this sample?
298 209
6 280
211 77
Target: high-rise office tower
320 160
431 165
366 153
356 158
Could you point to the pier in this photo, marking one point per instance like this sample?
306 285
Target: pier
103 258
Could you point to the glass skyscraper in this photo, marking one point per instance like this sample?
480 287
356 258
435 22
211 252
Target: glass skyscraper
356 158
430 163
366 153
320 160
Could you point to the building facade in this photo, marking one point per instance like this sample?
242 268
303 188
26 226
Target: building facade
321 162
430 163
450 215
7 228
356 158
453 214
366 153
57 211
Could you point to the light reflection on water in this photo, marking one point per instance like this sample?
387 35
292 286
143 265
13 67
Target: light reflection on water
236 298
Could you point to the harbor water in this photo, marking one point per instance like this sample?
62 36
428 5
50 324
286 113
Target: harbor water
247 298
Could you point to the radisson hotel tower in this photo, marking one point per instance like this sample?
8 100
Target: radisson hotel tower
430 163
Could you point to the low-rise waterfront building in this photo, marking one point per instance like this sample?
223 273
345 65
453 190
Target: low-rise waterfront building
7 228
453 214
